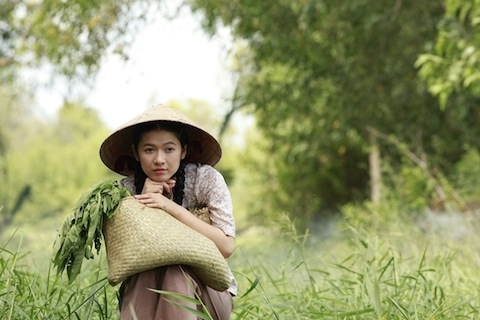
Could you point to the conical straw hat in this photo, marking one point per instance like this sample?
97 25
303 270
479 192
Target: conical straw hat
116 151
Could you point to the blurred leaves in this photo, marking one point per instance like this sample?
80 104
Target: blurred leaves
71 35
452 65
57 160
318 74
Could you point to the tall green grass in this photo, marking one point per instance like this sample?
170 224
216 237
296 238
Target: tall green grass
392 270
27 294
396 272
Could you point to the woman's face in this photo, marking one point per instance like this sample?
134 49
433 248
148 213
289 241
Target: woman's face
159 153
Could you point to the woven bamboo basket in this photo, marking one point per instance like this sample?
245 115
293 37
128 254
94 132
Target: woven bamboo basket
139 238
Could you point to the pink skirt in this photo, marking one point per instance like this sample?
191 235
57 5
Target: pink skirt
136 299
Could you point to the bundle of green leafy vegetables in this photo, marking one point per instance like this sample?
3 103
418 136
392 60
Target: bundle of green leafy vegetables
82 228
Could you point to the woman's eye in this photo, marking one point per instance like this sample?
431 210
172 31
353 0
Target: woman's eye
148 150
169 149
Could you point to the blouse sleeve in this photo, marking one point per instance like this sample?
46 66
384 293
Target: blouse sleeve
129 183
211 190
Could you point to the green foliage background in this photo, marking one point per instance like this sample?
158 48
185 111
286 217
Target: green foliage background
321 76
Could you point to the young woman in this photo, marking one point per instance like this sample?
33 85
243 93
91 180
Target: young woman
168 161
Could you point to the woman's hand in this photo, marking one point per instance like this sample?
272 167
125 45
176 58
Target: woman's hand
153 193
155 200
151 186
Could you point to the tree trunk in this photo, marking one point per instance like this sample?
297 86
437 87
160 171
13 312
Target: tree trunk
375 160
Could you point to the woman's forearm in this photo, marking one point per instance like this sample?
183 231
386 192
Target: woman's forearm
223 242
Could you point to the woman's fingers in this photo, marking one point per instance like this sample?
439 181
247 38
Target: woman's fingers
153 200
151 186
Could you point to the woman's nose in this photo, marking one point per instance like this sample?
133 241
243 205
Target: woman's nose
159 158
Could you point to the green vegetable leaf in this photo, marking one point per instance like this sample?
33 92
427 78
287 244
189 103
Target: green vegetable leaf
82 228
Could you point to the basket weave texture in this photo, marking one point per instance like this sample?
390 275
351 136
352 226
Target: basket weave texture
139 238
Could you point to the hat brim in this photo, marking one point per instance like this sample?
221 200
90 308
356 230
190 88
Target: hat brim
116 151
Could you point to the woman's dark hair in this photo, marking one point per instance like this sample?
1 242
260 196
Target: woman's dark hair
179 130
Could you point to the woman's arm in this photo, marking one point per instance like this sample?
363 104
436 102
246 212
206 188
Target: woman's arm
223 242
